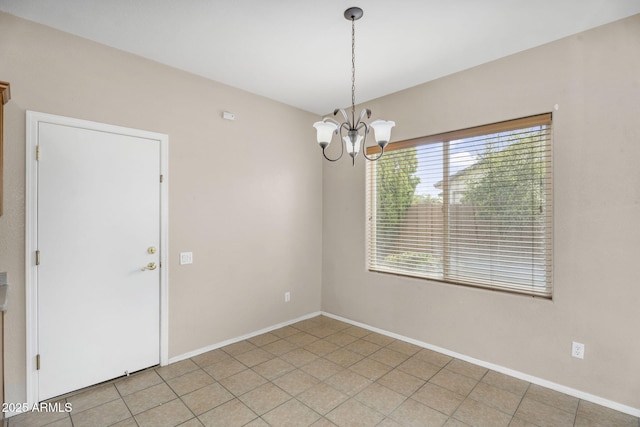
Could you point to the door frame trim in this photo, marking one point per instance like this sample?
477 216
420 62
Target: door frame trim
33 119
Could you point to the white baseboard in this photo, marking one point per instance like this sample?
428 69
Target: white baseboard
516 374
507 371
241 338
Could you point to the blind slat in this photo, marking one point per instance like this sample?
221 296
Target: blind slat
471 207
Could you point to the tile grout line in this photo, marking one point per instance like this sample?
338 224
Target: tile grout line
575 417
499 388
124 401
301 342
178 397
271 380
521 400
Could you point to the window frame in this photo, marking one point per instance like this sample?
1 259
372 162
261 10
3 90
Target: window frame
445 138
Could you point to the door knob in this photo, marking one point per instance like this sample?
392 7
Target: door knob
150 266
151 250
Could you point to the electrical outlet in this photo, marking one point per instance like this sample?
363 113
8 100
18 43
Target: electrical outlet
577 350
287 296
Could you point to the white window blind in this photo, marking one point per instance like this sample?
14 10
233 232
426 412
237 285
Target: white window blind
470 207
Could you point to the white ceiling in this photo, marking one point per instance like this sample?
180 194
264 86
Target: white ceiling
298 51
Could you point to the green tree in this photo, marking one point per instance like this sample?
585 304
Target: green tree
426 198
397 184
507 185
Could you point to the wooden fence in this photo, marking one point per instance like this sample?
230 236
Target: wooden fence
422 230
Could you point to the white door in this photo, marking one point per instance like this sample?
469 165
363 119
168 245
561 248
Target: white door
98 238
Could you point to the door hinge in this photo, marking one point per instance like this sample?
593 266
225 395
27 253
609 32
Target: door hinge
37 152
161 177
37 362
37 257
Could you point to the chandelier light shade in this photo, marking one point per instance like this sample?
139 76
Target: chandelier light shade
325 132
356 130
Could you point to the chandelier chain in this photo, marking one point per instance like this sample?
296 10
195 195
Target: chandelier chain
353 70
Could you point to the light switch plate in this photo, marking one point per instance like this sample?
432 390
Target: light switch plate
186 258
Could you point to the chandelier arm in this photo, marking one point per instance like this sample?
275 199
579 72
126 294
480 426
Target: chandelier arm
341 145
364 143
372 159
346 125
344 114
366 131
362 114
364 139
329 119
333 160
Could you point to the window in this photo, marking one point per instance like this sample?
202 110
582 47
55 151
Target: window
470 207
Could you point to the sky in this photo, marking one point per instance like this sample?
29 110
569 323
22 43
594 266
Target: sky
430 165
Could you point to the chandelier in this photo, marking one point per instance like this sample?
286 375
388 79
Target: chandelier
356 130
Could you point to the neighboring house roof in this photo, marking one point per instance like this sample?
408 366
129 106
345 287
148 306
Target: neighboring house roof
458 175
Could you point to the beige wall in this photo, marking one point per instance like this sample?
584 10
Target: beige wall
244 196
594 77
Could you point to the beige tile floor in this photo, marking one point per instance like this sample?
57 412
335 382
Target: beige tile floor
323 372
